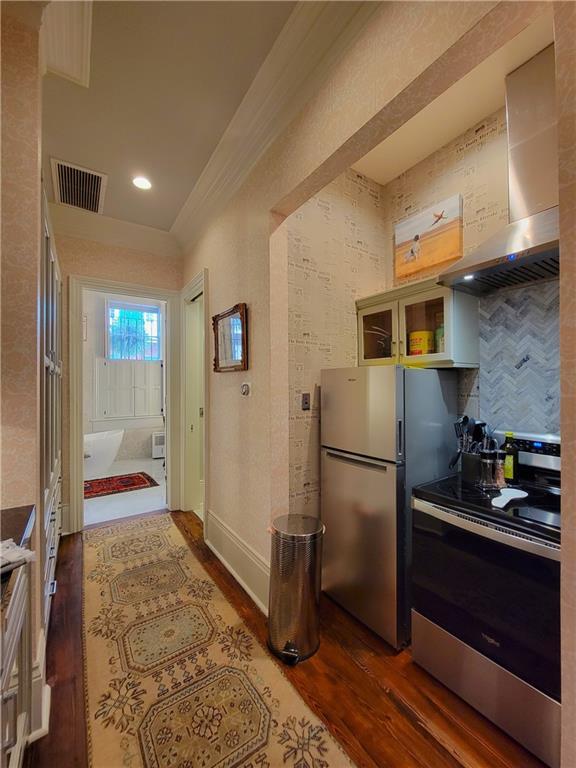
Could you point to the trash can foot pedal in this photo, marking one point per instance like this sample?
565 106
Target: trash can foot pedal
289 654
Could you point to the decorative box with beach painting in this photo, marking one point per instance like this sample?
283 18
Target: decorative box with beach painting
428 239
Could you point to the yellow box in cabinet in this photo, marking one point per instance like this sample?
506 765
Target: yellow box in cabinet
422 342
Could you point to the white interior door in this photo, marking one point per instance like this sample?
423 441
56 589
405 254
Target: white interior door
194 408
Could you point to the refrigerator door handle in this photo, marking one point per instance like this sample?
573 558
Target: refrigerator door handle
400 440
355 459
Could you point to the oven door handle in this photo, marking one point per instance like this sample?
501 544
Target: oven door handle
488 531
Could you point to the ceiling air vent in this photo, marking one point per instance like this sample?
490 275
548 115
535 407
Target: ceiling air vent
77 186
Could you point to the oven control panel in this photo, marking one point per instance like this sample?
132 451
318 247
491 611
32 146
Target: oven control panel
536 450
538 446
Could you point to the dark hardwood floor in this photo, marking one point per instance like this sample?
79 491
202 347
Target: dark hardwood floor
385 711
65 745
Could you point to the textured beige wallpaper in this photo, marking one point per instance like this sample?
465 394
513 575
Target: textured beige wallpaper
340 248
109 262
21 104
475 165
337 252
374 86
20 268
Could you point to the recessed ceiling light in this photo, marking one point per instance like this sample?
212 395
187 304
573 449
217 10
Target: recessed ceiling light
141 182
468 277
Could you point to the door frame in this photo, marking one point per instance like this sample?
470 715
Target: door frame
74 519
198 285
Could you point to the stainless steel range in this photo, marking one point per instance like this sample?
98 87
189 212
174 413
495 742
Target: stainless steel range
486 595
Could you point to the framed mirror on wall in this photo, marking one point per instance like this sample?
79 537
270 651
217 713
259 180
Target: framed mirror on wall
231 339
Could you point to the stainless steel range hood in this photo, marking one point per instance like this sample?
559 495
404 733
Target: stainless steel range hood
526 249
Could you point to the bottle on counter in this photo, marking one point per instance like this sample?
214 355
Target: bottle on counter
499 472
511 458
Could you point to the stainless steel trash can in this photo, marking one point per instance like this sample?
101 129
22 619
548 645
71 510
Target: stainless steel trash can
294 597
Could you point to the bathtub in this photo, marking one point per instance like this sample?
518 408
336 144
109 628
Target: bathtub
100 451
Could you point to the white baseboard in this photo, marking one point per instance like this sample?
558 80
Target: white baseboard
41 696
65 520
41 693
249 568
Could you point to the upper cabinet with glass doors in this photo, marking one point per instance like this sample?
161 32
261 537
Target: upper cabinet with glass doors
423 324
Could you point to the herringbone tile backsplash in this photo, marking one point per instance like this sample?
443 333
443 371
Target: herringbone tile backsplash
518 385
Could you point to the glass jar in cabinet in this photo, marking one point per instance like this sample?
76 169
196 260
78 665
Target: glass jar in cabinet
423 327
439 328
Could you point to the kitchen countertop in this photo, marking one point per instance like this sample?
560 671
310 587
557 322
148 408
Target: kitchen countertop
538 513
17 524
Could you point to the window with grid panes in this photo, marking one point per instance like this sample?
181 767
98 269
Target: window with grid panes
133 331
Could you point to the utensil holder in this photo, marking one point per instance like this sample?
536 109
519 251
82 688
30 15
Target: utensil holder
470 467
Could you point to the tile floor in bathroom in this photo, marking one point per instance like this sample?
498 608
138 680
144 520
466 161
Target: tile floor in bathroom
120 505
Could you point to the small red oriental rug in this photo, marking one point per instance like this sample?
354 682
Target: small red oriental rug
105 486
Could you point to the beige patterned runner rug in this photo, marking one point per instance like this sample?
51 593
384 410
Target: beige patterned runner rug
174 678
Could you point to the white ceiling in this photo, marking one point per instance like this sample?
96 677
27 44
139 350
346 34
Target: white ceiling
468 101
165 80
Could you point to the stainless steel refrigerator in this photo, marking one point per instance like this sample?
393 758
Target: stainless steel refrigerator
383 430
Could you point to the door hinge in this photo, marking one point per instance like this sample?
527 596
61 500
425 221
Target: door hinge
201 412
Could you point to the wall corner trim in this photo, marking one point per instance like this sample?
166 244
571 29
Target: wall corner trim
249 568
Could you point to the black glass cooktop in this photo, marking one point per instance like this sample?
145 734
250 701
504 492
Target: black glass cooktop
538 513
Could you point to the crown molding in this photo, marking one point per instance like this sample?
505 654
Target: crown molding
313 38
66 40
85 225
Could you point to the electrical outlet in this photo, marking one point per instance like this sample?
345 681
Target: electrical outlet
305 401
